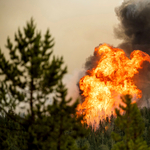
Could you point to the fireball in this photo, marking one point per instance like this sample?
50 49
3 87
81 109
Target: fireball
113 76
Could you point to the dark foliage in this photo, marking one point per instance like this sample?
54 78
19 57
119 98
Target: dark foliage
29 78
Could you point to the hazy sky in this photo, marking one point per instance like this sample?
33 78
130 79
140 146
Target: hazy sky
78 26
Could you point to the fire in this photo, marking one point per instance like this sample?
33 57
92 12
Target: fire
113 76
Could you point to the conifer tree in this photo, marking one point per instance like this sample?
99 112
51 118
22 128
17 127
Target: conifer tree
131 123
29 76
60 127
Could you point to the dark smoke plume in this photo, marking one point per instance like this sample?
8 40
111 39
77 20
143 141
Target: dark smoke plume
134 27
92 61
134 31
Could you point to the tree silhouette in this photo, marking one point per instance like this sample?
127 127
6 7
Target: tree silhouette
131 123
29 77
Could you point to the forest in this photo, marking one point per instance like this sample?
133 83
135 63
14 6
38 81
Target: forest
29 77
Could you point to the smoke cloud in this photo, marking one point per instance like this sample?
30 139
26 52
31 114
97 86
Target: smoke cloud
134 31
134 27
91 62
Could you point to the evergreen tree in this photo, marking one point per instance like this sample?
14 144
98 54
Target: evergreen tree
60 127
28 78
145 112
103 147
11 134
131 123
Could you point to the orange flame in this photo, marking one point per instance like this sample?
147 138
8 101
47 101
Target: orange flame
112 77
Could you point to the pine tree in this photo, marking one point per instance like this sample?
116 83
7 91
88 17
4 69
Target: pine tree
11 134
61 127
28 78
131 123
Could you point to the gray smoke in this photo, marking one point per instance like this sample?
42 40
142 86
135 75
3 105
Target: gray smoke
92 61
134 31
134 27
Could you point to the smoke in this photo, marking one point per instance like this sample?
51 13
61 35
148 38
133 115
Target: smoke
92 61
134 27
134 31
71 81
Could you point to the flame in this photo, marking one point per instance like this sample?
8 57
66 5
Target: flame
112 77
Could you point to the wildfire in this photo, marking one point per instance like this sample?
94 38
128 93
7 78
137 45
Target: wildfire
113 76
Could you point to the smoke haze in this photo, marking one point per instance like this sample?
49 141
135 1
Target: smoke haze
71 81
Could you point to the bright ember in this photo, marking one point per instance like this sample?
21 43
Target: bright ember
113 76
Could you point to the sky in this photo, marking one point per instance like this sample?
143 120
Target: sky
78 26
